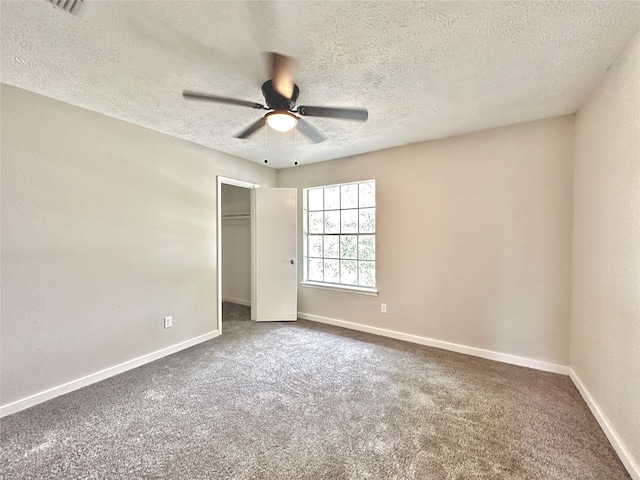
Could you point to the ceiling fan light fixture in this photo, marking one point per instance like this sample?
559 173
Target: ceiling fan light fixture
281 121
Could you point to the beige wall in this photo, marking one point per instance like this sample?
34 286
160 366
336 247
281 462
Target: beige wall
106 228
473 239
605 320
236 244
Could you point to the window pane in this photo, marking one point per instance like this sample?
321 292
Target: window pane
315 246
315 199
367 220
367 247
331 246
331 271
315 222
367 271
349 221
340 234
349 272
331 222
348 246
315 269
332 198
367 194
349 196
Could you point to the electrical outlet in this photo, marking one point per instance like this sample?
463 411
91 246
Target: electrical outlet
383 308
168 322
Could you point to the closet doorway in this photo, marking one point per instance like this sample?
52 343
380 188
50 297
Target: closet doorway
257 250
234 243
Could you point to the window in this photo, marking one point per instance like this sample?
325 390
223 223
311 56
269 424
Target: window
340 235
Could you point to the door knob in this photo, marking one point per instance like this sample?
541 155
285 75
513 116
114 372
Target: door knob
293 262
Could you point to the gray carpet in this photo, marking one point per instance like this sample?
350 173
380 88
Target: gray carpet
309 401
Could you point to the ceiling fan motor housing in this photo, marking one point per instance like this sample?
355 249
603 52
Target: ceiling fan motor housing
275 101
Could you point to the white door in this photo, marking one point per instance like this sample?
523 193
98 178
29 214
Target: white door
274 286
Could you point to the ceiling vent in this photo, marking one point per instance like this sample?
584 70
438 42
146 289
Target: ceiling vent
71 6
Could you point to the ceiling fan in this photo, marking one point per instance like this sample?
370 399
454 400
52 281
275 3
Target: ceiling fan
280 94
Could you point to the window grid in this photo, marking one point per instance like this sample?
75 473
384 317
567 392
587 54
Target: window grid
320 236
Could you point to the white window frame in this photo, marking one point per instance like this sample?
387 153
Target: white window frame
366 290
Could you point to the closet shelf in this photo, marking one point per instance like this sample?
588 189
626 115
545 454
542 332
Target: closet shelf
235 216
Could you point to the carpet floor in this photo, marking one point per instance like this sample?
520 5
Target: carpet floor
310 401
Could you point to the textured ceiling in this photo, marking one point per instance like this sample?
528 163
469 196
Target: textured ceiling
424 70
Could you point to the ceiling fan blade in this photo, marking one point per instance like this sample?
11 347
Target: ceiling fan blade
251 129
360 114
308 131
281 68
215 98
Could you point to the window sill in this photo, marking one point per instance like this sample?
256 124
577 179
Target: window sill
341 288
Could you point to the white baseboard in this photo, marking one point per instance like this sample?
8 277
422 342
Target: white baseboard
239 301
623 453
40 397
454 347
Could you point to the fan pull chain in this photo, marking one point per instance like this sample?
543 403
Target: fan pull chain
295 145
266 141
